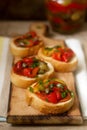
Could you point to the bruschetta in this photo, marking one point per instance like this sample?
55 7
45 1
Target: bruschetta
26 45
27 70
62 58
39 27
50 96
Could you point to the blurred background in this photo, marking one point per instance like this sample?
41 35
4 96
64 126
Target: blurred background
23 10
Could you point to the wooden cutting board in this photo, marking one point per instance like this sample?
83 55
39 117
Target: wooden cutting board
20 113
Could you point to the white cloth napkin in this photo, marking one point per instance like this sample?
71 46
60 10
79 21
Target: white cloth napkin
3 60
5 65
80 74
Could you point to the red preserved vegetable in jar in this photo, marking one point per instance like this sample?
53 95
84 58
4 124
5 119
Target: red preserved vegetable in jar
66 16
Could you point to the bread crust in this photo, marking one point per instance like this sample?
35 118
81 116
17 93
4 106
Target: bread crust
46 107
39 27
24 82
58 65
23 52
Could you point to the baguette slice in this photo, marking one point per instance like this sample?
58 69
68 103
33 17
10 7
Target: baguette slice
47 107
39 27
24 82
59 65
24 51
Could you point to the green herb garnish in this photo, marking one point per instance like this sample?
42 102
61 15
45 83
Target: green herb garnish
35 63
63 94
49 49
31 89
51 85
25 41
57 46
40 82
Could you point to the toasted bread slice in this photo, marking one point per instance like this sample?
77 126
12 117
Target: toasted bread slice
39 27
24 82
24 51
47 107
59 65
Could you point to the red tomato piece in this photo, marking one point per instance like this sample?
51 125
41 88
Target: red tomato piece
28 60
52 97
33 34
56 56
27 72
58 96
36 42
31 43
35 71
58 93
43 96
18 66
67 55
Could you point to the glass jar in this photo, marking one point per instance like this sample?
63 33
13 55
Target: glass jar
66 16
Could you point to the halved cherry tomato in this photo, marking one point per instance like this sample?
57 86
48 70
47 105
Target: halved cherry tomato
43 96
58 94
33 34
27 72
28 60
52 97
36 42
18 66
63 54
34 71
30 72
48 97
56 55
67 55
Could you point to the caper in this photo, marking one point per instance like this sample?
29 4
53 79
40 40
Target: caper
47 90
21 44
60 85
24 65
51 85
31 89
